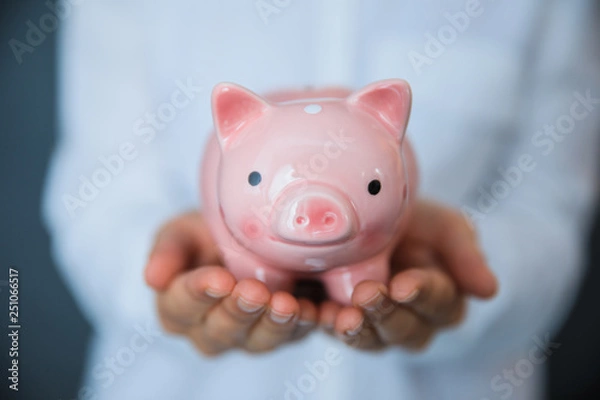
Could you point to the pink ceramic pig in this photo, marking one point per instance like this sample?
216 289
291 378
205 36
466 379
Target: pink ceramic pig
309 184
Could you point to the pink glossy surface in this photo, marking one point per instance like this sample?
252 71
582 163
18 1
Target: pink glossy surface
314 210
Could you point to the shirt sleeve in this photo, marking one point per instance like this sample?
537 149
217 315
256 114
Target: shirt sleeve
532 210
111 182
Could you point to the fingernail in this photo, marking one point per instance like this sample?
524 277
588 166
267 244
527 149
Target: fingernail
356 330
248 306
372 303
280 318
408 296
215 294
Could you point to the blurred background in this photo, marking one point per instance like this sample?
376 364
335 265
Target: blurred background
54 334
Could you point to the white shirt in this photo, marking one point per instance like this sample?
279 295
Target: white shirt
485 81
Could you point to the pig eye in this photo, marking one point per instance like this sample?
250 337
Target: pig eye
254 178
374 187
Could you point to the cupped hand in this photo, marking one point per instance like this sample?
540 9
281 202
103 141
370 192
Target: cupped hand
198 298
434 268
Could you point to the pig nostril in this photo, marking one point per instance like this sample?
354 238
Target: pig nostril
329 219
300 220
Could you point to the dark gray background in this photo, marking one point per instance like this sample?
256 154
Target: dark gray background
54 334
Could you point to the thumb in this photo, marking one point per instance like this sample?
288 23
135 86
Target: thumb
180 245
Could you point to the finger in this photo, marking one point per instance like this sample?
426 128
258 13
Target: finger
328 312
307 320
191 295
227 325
393 323
171 255
180 245
276 325
453 237
353 329
431 293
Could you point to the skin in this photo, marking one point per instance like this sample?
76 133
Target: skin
435 267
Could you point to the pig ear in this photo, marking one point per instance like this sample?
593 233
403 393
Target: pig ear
389 101
233 108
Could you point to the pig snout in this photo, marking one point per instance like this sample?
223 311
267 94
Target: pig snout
318 216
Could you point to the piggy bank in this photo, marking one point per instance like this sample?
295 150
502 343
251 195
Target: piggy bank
309 184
